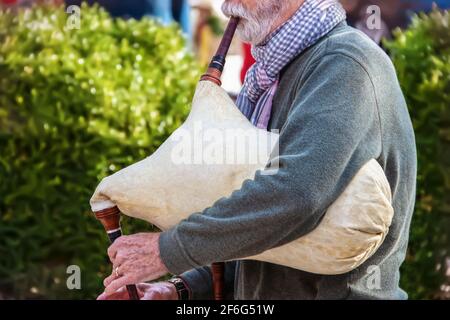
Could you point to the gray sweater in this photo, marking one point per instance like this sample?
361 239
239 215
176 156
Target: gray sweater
339 104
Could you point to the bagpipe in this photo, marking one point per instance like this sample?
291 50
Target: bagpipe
166 188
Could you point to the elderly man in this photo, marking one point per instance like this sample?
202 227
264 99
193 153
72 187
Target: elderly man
334 97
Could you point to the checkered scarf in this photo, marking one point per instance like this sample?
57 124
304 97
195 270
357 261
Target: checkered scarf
313 20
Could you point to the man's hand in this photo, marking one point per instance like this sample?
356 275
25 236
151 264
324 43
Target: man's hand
155 291
135 259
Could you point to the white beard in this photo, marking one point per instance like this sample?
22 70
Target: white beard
255 25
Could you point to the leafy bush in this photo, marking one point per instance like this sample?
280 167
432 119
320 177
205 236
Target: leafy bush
421 55
75 106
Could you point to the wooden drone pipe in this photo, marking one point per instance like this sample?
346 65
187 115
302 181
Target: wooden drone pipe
218 279
217 64
213 74
110 219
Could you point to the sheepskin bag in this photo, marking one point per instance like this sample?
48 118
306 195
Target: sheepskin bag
192 169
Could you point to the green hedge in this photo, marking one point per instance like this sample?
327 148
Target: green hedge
75 106
421 55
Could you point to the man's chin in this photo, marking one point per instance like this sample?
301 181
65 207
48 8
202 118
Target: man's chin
251 33
247 39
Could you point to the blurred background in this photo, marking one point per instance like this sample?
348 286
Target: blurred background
83 96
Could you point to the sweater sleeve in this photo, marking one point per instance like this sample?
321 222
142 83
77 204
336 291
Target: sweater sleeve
331 131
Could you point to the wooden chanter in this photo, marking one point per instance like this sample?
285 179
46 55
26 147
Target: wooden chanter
110 219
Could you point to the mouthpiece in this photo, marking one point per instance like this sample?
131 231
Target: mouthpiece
217 64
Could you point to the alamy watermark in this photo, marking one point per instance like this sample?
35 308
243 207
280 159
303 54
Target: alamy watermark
73 281
74 18
198 144
373 21
373 278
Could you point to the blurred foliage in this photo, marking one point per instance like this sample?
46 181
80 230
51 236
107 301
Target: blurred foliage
421 55
75 106
215 24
